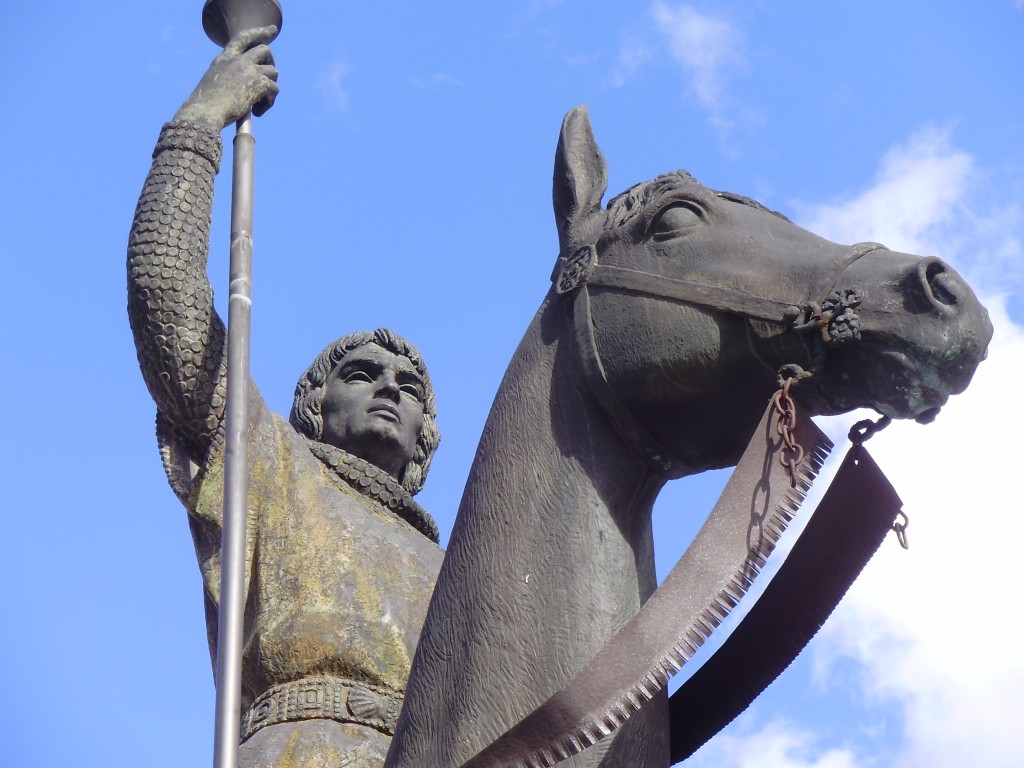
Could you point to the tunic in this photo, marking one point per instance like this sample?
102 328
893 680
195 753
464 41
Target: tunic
337 590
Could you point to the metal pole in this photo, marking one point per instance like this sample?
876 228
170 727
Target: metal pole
236 458
222 21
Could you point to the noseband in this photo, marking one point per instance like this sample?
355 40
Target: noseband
834 317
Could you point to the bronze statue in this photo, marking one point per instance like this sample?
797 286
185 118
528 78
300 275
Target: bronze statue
674 313
340 560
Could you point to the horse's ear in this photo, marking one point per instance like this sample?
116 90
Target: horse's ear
581 177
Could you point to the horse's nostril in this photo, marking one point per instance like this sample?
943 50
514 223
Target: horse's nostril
940 286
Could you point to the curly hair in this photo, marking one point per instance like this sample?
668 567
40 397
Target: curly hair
306 414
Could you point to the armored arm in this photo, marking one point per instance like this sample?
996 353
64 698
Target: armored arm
179 338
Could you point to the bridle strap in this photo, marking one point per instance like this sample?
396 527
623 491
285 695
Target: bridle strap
640 439
582 270
691 292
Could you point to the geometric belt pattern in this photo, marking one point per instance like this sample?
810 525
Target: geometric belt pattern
332 698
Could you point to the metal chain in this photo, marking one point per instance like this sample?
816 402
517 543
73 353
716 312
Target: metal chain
864 430
785 426
793 453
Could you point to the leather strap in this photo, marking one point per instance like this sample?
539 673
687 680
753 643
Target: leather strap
711 577
846 529
633 433
701 294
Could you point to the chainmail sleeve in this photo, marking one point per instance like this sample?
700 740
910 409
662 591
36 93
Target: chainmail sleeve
179 337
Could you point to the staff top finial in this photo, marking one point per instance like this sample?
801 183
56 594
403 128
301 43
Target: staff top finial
223 19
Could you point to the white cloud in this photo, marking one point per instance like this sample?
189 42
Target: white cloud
707 47
917 187
633 54
935 628
778 745
331 85
929 198
709 50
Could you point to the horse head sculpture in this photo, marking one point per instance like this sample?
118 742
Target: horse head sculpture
674 313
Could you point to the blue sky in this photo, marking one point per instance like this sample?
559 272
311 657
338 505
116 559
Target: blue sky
403 179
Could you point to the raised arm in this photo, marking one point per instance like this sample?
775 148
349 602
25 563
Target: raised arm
179 338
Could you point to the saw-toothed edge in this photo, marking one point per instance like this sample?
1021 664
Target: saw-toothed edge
636 664
846 529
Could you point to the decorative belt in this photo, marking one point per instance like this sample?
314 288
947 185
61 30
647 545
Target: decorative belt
331 698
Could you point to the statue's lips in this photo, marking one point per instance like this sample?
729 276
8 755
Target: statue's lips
386 411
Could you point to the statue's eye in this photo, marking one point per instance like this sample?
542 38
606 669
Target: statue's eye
415 391
676 220
358 375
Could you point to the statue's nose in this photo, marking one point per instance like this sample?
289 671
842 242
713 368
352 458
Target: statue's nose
941 289
387 385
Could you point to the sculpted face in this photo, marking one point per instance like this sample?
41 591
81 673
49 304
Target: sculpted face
373 407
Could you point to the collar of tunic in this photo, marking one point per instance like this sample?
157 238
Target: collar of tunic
373 482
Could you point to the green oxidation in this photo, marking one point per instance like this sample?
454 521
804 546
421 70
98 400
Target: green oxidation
314 744
336 585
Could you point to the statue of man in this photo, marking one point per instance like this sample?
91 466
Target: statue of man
340 560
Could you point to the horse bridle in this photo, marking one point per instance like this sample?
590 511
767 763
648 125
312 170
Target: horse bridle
834 317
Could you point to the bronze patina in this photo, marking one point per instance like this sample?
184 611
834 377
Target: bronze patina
340 560
674 313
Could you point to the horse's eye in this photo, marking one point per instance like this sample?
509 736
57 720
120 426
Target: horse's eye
678 219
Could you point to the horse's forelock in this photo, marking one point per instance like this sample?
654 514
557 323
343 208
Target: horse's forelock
625 206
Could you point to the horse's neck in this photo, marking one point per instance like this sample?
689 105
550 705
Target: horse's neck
551 553
555 483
